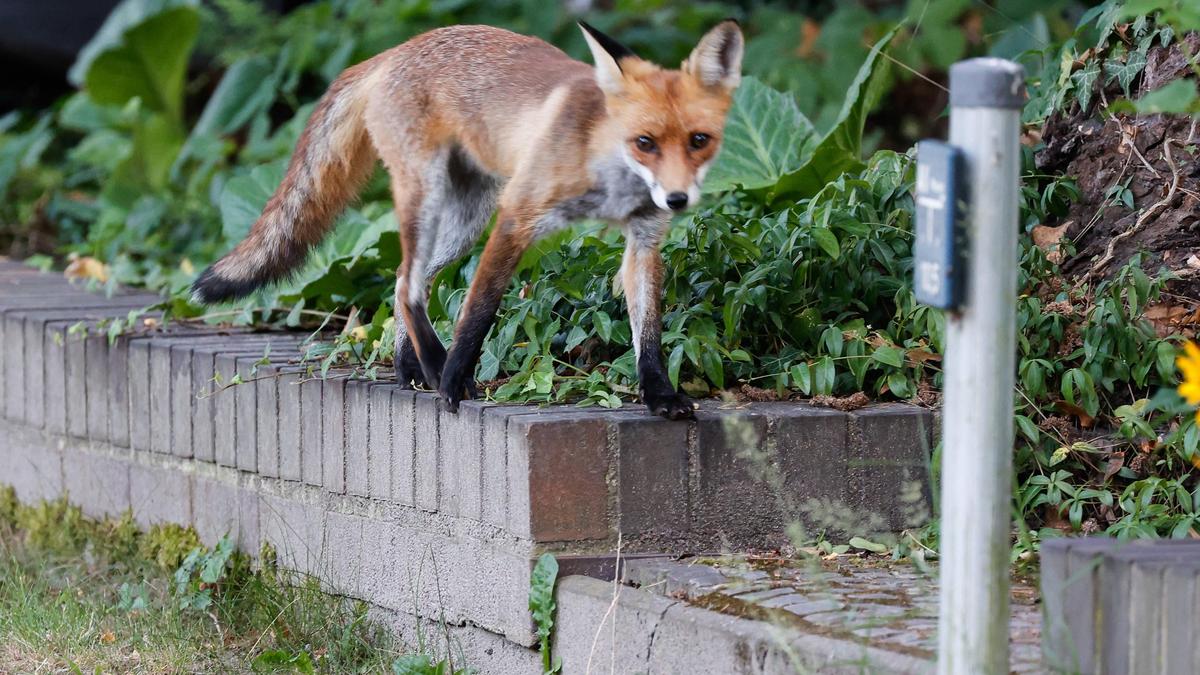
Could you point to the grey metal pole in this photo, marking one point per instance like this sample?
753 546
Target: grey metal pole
986 96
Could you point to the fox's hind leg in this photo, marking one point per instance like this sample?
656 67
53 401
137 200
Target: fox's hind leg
457 200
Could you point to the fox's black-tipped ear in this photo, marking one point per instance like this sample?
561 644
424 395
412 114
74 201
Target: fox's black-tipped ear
717 59
607 54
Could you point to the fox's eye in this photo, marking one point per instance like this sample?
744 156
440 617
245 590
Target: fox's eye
646 144
698 141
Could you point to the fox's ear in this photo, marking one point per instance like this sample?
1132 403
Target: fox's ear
717 60
607 53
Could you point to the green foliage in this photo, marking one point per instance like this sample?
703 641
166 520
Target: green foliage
168 544
199 573
542 606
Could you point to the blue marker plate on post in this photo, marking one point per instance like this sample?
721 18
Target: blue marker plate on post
938 256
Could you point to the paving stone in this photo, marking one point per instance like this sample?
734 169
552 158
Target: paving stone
758 596
694 580
652 468
806 607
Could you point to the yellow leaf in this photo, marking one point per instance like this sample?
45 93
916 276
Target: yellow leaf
86 267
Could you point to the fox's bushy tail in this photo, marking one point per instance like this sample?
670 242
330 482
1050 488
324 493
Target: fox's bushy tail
333 157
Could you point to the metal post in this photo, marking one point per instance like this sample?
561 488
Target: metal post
986 96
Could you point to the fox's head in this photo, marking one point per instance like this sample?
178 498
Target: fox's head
668 123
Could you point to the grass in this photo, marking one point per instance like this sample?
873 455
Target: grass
78 595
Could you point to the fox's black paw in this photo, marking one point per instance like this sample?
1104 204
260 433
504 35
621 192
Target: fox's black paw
408 369
454 389
669 404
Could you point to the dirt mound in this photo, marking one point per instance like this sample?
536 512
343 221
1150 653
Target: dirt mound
1139 180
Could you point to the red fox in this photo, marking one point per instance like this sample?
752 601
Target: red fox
471 121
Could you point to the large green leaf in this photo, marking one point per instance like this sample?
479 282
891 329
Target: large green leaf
766 136
243 199
841 148
141 51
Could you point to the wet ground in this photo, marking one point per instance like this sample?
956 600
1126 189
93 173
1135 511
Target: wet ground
888 607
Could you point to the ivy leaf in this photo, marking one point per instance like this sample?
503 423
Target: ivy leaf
766 136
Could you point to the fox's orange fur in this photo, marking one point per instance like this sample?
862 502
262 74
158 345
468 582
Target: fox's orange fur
471 120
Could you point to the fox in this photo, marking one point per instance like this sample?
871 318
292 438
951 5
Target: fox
472 122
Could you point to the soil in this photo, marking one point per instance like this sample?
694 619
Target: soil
1157 154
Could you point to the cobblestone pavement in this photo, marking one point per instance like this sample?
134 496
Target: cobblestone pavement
893 608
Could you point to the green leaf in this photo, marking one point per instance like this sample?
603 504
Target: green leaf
827 240
802 377
889 355
766 136
839 150
867 545
1178 96
141 51
541 602
243 199
603 324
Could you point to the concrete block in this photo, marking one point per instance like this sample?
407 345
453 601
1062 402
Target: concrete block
427 451
28 465
404 447
358 416
558 468
1181 618
32 342
118 392
311 431
51 348
76 383
138 375
161 431
225 409
341 553
889 454
1082 589
96 390
160 495
220 508
295 529
267 425
290 422
461 438
203 406
588 635
98 485
379 442
182 399
246 401
333 425
494 497
14 368
652 470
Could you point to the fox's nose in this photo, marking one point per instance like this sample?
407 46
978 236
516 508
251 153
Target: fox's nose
677 201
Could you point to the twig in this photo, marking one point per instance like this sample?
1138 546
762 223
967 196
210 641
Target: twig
1146 215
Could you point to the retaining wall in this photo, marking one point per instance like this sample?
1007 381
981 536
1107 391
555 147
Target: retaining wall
385 497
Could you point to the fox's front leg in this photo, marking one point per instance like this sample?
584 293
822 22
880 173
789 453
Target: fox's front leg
641 277
508 241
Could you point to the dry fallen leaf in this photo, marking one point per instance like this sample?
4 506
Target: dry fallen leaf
107 637
87 267
1115 461
1047 239
922 355
1066 407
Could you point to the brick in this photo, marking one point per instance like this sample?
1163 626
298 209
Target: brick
138 375
426 451
160 495
160 396
290 423
889 451
333 426
731 501
1181 617
495 488
379 442
358 431
460 437
76 384
652 470
311 432
557 471
98 485
32 342
225 409
404 446
51 348
182 399
810 445
1084 558
1126 617
203 406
